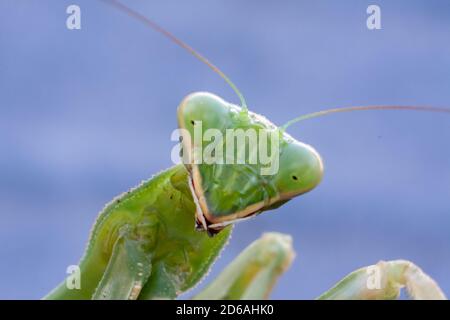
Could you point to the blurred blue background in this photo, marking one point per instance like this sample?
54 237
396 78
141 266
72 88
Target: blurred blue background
85 115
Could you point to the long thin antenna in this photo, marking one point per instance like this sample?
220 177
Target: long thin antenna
363 108
167 34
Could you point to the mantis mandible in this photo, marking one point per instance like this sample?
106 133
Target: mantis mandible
144 244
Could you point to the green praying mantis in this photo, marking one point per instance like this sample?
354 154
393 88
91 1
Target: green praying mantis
159 239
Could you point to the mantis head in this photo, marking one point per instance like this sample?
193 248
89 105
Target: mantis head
240 164
226 191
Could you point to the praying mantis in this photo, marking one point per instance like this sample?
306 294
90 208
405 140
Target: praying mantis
159 239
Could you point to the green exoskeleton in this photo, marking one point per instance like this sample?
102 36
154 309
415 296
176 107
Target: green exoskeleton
144 244
254 272
384 281
228 192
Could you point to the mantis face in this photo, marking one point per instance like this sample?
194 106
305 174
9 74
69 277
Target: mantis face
240 164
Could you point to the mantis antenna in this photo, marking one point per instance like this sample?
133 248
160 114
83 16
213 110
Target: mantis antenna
136 15
170 36
362 108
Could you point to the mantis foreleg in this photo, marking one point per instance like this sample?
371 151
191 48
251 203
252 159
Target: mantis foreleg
151 225
384 281
254 272
128 269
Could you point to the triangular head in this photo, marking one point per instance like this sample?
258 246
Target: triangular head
227 192
240 163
